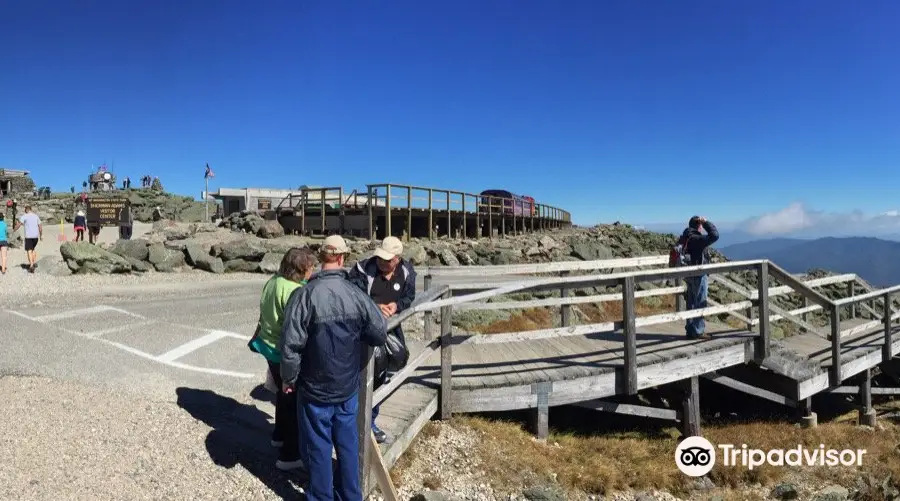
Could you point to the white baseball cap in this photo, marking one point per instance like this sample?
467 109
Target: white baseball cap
390 247
335 244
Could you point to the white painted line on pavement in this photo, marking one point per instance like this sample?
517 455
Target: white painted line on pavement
235 335
62 315
119 328
177 365
20 314
80 312
180 351
209 338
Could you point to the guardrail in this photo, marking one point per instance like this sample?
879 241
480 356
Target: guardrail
440 298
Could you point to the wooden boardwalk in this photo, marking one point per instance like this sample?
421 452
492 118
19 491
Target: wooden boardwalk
585 364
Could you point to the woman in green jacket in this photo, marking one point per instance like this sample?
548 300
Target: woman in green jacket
296 267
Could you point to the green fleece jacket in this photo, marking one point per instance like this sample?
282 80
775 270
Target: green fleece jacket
275 295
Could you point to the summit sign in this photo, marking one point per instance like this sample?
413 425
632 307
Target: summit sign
104 211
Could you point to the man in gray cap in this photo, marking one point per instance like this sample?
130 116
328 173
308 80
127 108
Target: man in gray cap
326 324
390 281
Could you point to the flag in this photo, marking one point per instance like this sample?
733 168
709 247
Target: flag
209 173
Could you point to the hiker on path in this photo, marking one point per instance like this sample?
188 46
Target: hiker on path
296 267
80 225
34 231
696 245
390 281
4 243
327 324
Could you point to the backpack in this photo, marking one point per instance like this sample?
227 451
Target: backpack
678 253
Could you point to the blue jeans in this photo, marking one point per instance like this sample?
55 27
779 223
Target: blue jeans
323 426
695 298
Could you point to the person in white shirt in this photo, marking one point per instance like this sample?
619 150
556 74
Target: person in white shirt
34 231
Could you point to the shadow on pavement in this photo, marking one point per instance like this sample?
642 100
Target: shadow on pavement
240 435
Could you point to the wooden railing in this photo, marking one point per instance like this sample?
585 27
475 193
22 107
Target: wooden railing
440 298
534 215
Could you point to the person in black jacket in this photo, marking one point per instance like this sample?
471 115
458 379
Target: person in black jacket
697 245
390 281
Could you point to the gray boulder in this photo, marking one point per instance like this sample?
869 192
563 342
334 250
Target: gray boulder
271 262
135 249
591 250
84 257
270 229
447 258
163 259
202 260
247 250
239 265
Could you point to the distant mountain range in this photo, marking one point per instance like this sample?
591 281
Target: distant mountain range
874 259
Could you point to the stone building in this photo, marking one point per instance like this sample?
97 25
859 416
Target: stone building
15 182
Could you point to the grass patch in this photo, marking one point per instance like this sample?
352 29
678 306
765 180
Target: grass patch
543 318
604 463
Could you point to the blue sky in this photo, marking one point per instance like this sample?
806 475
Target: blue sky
645 112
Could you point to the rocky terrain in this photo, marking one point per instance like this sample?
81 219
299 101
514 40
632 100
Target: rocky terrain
63 206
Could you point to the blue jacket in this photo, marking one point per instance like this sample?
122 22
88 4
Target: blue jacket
325 325
699 243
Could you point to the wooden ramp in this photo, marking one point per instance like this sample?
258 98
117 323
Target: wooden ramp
585 364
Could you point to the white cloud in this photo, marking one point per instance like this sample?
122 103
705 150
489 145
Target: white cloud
797 219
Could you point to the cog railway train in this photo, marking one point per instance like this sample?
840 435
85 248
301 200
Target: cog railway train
507 203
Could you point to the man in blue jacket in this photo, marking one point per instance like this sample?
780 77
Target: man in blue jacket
697 246
390 281
326 325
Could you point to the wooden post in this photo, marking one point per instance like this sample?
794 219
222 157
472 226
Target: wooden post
341 207
371 215
851 291
430 214
303 195
805 315
428 313
449 220
490 217
387 211
762 286
886 350
690 415
866 412
446 362
364 418
808 418
408 213
836 376
542 411
680 304
478 229
324 231
630 332
565 311
462 196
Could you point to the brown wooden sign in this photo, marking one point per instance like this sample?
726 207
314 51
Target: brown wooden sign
263 204
104 211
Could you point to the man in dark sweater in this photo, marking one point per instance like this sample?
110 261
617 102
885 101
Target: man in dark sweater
697 245
390 281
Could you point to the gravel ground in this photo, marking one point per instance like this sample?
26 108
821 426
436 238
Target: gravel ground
63 440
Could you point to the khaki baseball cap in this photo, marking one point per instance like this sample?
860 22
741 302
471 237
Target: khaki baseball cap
335 244
390 247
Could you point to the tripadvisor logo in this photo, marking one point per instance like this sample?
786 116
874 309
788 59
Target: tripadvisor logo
696 456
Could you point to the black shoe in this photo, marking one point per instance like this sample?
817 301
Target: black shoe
380 436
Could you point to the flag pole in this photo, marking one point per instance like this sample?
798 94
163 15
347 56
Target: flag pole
206 197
